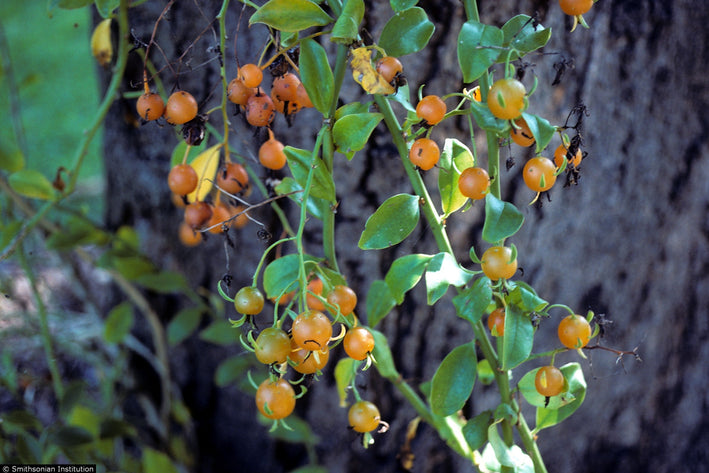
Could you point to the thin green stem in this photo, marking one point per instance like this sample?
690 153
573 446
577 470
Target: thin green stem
43 327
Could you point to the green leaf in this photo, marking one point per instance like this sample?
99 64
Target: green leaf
290 15
380 301
345 371
486 120
346 29
502 219
525 298
471 303
547 417
455 158
22 420
443 271
453 382
406 32
541 129
154 461
31 183
352 132
382 353
70 436
310 468
9 230
69 4
316 207
478 45
28 449
118 323
405 273
219 332
77 232
391 223
231 370
183 324
521 34
133 267
518 339
164 282
298 431
112 427
301 162
11 161
485 373
315 73
475 430
281 275
510 456
401 5
106 7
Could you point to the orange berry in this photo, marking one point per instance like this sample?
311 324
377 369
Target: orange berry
271 154
431 109
150 106
260 110
424 153
238 93
251 75
181 107
182 179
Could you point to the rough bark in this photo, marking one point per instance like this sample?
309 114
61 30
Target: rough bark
629 241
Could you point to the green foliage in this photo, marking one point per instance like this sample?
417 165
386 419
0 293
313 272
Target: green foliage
407 32
391 223
453 382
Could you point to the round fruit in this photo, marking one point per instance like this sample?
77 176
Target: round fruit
344 298
497 263
496 321
560 155
358 343
241 219
364 416
232 178
311 330
260 110
280 106
275 399
574 331
431 109
316 287
182 179
575 7
522 135
150 106
238 93
539 174
220 214
181 107
424 153
271 154
506 98
197 214
188 236
303 98
388 67
273 345
251 75
474 183
285 87
309 362
549 381
477 95
249 300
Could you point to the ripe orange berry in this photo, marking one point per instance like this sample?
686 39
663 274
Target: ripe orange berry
197 214
574 331
560 155
182 179
241 219
388 67
271 154
285 87
280 106
260 110
302 97
549 381
251 75
188 236
232 178
343 297
522 135
431 109
497 263
307 361
150 106
358 343
181 107
275 399
477 95
496 321
424 153
316 287
474 183
220 214
238 93
538 174
506 98
311 330
575 7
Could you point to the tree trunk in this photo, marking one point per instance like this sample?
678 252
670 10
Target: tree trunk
629 241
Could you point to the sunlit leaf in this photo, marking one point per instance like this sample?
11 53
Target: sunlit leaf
290 15
391 223
205 164
406 32
453 381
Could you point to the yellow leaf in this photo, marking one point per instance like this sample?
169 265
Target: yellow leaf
366 75
205 164
101 46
